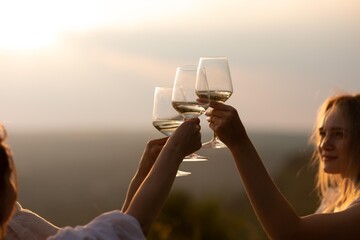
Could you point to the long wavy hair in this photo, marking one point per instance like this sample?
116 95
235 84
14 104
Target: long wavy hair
337 191
7 176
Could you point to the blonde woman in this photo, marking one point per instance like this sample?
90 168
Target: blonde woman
337 152
146 194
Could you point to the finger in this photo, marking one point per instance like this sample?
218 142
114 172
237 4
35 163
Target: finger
194 123
196 127
212 125
208 111
224 112
217 105
194 120
189 125
214 119
218 113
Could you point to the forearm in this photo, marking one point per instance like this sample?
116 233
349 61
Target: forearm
154 190
274 212
147 160
133 187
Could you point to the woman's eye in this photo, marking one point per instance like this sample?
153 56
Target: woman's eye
322 133
339 134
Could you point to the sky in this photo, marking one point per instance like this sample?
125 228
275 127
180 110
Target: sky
94 64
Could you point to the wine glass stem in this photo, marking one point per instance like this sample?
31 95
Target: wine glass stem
215 137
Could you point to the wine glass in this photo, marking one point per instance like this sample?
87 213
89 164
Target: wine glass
164 117
220 87
191 96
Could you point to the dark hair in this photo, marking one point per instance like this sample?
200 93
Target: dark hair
6 170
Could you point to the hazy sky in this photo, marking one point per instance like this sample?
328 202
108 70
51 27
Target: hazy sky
95 63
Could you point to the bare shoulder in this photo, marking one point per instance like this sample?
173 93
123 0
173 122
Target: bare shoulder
339 225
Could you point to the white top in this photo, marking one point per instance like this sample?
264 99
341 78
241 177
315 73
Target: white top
26 225
108 226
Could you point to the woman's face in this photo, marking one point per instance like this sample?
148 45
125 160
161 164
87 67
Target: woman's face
334 142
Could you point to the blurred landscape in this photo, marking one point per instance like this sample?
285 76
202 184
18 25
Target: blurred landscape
96 63
71 177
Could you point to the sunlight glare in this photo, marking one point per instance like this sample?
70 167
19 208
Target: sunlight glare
39 23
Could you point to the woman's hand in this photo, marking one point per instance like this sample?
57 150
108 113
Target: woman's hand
153 191
187 137
225 122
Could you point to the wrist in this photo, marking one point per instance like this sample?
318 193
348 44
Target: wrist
175 152
239 141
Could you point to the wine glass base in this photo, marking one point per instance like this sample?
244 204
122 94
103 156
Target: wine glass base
182 173
195 158
215 143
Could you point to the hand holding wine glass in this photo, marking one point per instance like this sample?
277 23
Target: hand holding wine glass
220 87
165 118
191 96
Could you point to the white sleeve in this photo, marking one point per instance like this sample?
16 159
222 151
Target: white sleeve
26 224
108 226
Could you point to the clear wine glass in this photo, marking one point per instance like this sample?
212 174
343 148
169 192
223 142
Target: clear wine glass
220 87
191 96
164 117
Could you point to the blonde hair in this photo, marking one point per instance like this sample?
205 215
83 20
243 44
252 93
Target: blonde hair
336 191
6 171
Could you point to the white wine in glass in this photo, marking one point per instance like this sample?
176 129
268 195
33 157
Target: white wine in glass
164 117
189 80
220 87
167 126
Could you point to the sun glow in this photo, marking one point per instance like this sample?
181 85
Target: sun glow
39 23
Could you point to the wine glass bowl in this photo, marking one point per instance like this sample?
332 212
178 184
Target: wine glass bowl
220 87
191 96
190 93
164 118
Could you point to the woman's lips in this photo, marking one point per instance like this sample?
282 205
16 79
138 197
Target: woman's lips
328 158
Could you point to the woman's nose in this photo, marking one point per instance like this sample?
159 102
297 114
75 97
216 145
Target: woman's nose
327 143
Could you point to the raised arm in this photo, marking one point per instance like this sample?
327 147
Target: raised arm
147 160
154 190
276 215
